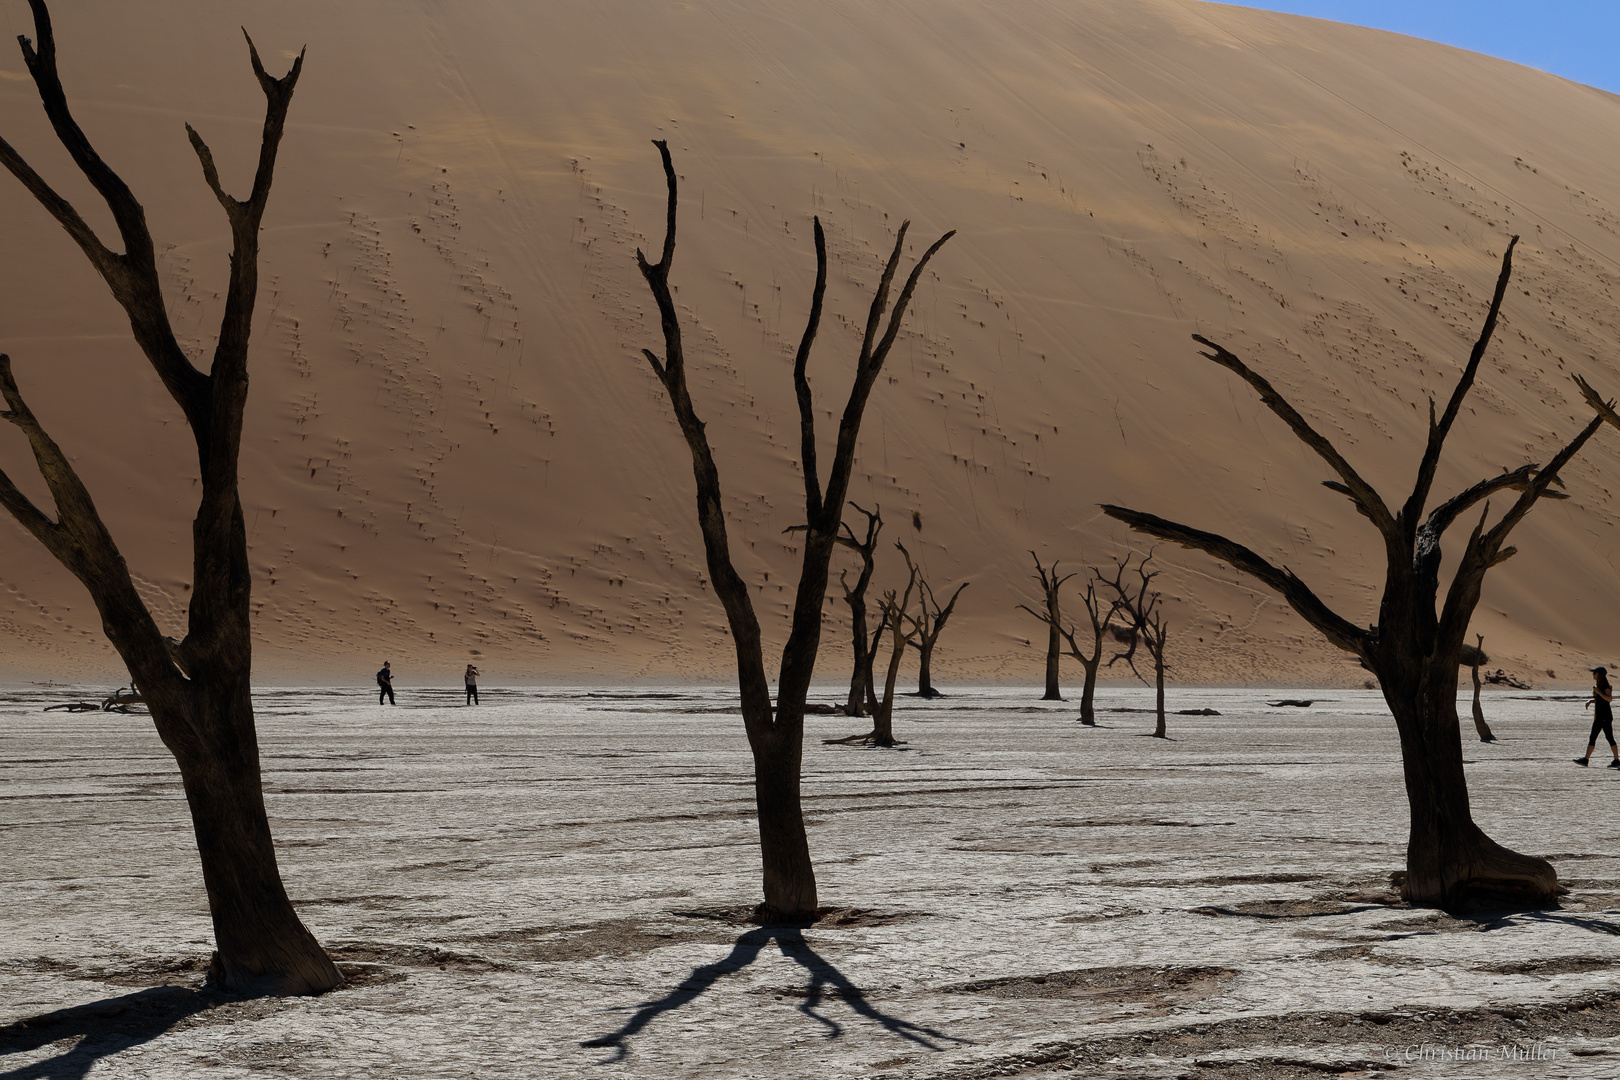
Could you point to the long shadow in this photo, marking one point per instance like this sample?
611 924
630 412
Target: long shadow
102 1028
826 981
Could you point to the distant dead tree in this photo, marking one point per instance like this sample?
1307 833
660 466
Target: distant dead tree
1050 583
862 645
1101 616
896 617
776 733
1473 658
1137 602
198 689
1414 650
930 621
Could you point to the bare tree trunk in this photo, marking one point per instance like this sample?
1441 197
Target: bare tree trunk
861 677
198 689
1156 646
1053 693
1448 857
1481 728
862 646
1088 693
776 734
883 719
789 878
1050 583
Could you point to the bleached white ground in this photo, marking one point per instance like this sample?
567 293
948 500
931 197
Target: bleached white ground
557 867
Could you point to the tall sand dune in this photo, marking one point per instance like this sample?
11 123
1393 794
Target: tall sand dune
456 450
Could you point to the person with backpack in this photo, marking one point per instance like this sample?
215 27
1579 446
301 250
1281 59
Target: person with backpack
385 684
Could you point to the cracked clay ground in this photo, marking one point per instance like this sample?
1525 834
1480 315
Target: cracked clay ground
557 884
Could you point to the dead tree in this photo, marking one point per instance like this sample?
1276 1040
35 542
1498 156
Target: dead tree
930 622
863 646
1414 650
1473 656
197 689
1138 603
1101 621
896 616
1053 618
776 733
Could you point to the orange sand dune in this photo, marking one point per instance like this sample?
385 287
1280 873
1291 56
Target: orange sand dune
455 449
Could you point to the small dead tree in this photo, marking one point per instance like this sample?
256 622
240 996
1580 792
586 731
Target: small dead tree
198 689
930 621
896 616
1414 650
1473 656
863 647
776 732
1053 618
1138 603
1101 619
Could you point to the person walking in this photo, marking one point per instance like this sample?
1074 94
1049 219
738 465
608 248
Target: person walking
385 684
1602 718
471 679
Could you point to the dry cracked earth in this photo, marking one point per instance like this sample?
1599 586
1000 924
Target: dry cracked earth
561 882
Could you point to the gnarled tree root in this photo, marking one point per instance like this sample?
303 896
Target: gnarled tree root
1489 873
871 738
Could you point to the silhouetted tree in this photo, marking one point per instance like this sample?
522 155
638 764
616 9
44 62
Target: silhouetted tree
776 733
1050 583
930 622
1101 617
1414 650
198 689
1473 656
1144 625
862 645
896 616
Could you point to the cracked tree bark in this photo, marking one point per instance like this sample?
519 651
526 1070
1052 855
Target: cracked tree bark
776 732
1413 649
198 690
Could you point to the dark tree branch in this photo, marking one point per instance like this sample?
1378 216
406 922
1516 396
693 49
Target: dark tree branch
1367 501
1485 548
1438 432
728 584
871 362
1339 631
801 385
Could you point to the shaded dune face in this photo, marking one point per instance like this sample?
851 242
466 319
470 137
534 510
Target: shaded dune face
453 444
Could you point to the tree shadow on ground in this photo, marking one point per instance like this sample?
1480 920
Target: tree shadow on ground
826 982
99 1029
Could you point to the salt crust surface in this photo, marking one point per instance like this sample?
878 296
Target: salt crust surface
561 866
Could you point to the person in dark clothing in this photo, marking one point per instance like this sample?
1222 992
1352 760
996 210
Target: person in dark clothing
1602 719
471 679
385 684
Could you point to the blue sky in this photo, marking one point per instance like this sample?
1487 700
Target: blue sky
1578 39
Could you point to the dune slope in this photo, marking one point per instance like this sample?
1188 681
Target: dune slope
455 449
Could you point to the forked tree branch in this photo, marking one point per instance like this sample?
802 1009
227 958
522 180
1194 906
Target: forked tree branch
1367 501
728 584
1339 631
1438 432
1485 547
